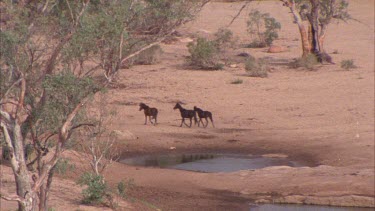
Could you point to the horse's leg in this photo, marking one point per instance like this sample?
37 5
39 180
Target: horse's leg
182 121
212 121
206 122
156 119
145 119
150 118
186 124
190 121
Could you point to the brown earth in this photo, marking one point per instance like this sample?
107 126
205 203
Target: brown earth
324 118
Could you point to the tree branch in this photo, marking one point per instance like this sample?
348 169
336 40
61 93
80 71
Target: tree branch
63 137
11 198
239 12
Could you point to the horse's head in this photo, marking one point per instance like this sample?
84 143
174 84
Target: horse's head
195 108
142 106
177 106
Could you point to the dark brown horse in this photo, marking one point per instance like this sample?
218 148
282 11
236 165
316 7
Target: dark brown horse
189 114
152 113
204 115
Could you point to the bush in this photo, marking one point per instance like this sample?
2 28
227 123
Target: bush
148 56
256 67
256 44
237 81
348 64
124 186
63 165
308 62
223 38
96 188
263 27
203 54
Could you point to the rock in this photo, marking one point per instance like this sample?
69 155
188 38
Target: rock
243 54
276 49
233 65
125 134
186 40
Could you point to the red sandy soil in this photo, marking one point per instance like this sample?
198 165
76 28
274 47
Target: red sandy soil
324 118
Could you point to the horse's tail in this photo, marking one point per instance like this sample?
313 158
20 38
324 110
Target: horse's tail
212 121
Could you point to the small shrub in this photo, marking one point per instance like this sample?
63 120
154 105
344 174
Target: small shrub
308 62
203 54
335 51
96 188
256 67
348 64
63 165
237 81
148 56
223 38
124 186
263 27
256 44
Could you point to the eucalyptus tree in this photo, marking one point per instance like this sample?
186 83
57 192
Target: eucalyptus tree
49 53
318 14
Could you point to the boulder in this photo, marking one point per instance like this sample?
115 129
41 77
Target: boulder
276 49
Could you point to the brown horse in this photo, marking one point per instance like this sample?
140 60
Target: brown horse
186 114
204 115
152 113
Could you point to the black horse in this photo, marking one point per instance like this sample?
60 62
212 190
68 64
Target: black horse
151 112
204 115
186 114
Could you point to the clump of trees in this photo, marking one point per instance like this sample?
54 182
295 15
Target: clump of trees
50 52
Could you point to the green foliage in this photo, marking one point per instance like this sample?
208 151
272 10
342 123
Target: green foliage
348 64
263 27
64 92
328 10
307 62
223 38
256 67
203 54
124 186
63 165
96 188
237 81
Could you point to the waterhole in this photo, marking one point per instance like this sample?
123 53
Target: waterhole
209 162
291 207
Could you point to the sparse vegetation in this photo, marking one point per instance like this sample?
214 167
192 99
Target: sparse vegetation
237 81
148 56
348 64
263 28
63 165
124 186
204 55
96 188
256 67
308 62
223 38
256 44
